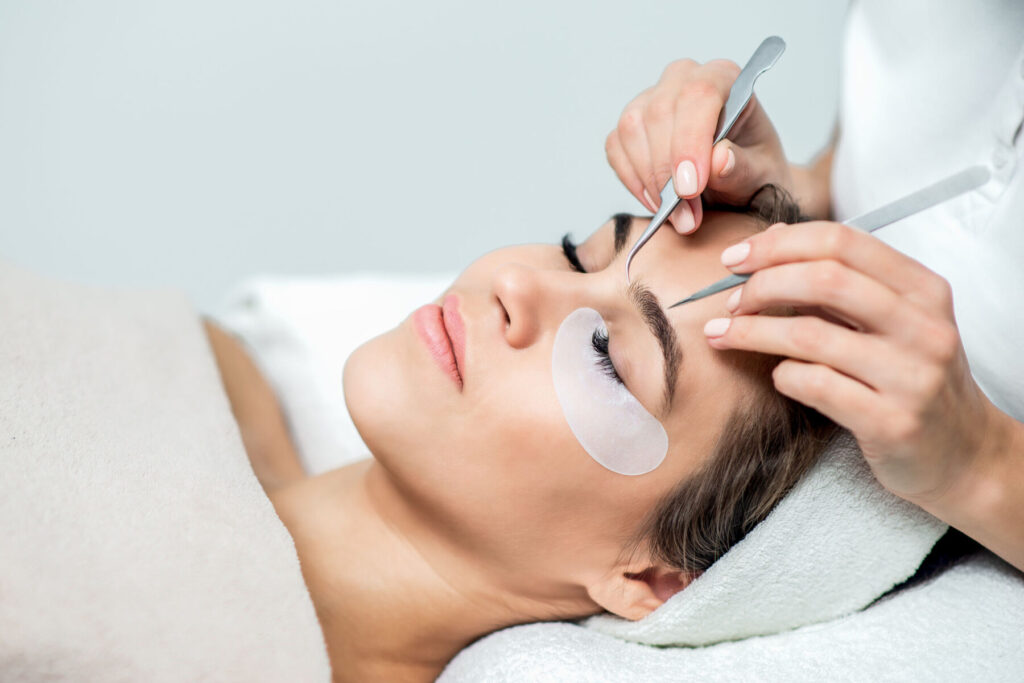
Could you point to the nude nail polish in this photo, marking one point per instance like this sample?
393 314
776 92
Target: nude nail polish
682 219
686 178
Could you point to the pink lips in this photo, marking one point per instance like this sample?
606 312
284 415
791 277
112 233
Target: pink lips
444 335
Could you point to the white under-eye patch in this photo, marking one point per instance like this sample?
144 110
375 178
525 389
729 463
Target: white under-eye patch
609 422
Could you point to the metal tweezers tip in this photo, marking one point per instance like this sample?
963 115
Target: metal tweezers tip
680 303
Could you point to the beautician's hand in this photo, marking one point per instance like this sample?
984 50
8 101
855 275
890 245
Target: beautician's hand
667 130
896 376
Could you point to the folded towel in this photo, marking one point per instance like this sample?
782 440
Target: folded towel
967 624
834 544
135 542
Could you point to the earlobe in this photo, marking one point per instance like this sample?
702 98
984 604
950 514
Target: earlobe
634 592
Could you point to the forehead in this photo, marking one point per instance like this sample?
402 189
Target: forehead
669 262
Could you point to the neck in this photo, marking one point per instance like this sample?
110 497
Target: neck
395 601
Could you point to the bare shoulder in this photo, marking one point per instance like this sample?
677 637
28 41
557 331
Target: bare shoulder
259 416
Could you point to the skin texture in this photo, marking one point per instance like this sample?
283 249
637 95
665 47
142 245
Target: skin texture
479 509
878 350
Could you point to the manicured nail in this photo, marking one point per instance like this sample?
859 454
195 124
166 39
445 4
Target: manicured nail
736 254
733 301
650 202
730 163
686 178
682 218
716 327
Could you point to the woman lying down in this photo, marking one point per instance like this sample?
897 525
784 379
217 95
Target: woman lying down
548 443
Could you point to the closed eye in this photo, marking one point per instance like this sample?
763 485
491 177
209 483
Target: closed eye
569 249
599 342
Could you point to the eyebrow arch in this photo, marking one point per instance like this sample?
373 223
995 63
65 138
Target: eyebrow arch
652 313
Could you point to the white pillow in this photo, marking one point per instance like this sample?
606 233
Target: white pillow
301 330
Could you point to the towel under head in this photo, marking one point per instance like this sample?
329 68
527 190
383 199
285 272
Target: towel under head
833 545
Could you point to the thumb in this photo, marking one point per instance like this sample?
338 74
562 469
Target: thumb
736 173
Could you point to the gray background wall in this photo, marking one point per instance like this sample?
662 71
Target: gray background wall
193 142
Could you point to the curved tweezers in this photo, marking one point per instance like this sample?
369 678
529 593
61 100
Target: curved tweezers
764 58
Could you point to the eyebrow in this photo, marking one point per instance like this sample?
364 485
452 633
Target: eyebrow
650 310
623 223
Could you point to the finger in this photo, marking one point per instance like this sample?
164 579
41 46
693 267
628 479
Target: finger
853 248
842 399
698 211
659 115
633 136
623 168
694 126
683 218
852 296
866 358
736 173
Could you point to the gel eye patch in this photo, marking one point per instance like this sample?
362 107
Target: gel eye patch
609 422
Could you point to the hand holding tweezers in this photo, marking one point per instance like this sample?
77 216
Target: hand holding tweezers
925 198
764 57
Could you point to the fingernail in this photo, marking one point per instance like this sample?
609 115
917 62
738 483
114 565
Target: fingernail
734 300
686 178
730 163
736 254
716 327
650 202
682 219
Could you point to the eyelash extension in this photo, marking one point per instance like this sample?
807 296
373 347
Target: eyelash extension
599 340
569 249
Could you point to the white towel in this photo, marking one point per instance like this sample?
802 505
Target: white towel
836 542
135 542
967 624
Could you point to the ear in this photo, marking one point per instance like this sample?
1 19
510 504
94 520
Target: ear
634 591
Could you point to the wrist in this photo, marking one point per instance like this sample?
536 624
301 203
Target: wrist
981 492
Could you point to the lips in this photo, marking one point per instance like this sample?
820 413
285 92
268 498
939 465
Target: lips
443 333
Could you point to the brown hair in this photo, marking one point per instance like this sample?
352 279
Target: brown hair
767 444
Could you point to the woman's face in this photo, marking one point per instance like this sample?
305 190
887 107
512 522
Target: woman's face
490 460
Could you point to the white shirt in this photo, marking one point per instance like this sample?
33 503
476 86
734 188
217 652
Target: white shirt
930 88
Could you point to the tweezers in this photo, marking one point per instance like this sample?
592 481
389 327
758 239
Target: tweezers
764 58
925 198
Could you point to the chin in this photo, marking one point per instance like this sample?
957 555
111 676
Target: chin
390 401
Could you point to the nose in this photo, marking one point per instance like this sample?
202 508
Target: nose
523 292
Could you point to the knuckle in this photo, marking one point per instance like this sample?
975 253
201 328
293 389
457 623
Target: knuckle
815 383
679 67
727 66
610 144
660 109
631 122
700 89
829 278
836 239
945 341
806 335
942 292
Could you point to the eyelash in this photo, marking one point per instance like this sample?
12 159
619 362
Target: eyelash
599 340
569 249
